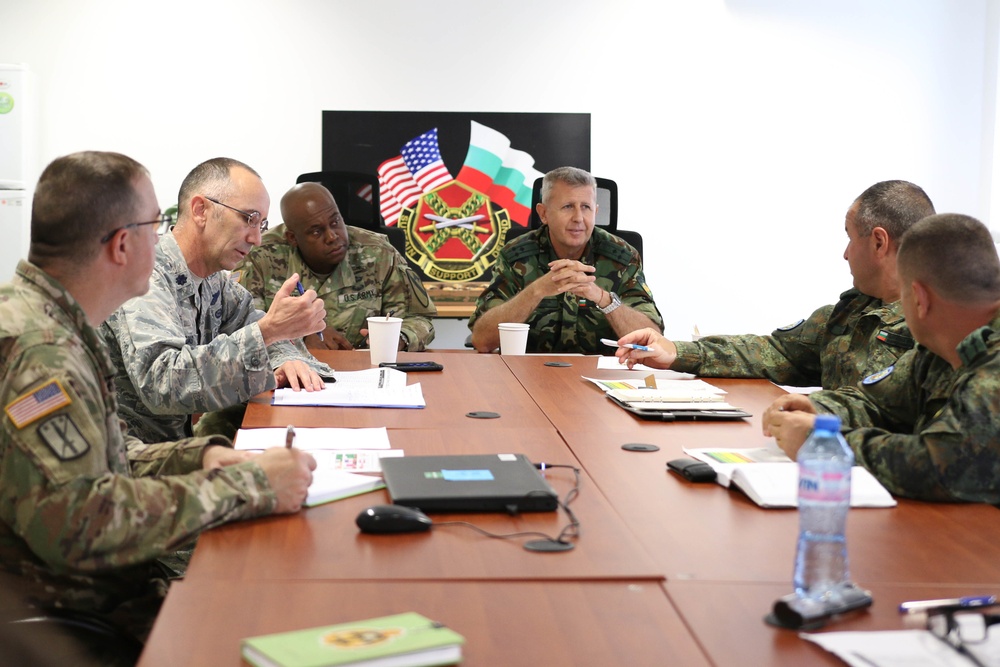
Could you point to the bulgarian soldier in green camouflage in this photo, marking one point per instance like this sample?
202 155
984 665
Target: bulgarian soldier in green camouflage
928 427
195 342
355 272
85 509
837 345
574 284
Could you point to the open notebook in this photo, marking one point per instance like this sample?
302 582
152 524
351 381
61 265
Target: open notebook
771 479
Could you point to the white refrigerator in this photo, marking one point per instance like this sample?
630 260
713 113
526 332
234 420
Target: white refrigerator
17 165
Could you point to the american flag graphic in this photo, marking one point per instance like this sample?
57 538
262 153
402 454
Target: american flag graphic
38 403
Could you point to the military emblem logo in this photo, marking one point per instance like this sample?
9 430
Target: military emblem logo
360 637
456 226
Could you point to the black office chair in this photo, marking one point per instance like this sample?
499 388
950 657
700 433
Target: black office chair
77 638
356 194
607 211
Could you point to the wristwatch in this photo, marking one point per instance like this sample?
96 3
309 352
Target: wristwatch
405 339
615 303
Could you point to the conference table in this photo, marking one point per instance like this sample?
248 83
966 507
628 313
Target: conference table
665 571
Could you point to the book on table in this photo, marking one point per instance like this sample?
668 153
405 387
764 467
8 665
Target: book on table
400 640
771 479
331 484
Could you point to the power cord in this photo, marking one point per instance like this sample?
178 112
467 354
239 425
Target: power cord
567 536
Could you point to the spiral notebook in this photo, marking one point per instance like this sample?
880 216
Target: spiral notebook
659 405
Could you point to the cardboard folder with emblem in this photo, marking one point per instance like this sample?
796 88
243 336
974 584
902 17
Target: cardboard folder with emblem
401 640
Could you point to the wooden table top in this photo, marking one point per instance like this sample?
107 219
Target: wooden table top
470 382
510 623
724 559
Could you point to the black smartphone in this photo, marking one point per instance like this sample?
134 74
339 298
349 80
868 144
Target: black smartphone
692 470
412 366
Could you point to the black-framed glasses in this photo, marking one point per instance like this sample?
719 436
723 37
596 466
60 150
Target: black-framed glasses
961 629
253 217
163 221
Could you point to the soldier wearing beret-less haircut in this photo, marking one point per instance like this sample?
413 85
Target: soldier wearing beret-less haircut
572 282
355 272
85 509
195 343
838 344
928 427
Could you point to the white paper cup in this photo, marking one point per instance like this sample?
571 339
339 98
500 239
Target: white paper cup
513 337
383 338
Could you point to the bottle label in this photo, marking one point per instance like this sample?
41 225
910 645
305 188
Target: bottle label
824 486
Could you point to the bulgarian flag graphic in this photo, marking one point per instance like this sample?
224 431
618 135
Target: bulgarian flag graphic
503 174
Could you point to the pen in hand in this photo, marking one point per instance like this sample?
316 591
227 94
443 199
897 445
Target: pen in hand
289 436
301 290
631 346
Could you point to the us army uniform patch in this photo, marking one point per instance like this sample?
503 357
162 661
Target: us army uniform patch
63 437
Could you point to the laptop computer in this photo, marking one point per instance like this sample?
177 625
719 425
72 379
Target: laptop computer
468 483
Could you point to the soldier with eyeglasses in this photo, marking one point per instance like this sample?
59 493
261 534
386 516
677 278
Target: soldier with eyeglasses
195 343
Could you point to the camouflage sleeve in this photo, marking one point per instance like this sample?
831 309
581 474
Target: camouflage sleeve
505 285
404 294
171 372
58 493
937 446
635 293
790 355
251 275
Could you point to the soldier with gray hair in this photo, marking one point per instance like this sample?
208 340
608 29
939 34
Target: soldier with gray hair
86 509
572 282
195 343
928 427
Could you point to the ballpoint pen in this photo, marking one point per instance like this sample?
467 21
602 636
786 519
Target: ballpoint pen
289 436
631 346
969 601
301 290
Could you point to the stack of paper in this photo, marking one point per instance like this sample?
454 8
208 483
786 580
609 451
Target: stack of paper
372 388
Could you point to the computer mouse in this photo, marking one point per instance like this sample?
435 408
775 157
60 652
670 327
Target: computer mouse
392 519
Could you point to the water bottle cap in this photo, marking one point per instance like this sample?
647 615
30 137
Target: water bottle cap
827 423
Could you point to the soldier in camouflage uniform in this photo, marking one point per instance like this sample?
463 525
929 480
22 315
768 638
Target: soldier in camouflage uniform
355 272
572 283
927 427
85 510
195 342
837 345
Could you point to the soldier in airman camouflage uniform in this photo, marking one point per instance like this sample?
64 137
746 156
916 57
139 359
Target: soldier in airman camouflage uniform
195 342
355 272
928 427
838 344
85 509
571 282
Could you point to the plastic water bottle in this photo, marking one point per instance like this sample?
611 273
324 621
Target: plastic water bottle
825 462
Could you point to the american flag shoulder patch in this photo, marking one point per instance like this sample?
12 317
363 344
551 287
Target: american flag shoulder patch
37 403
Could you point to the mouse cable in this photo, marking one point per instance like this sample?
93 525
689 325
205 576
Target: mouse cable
569 533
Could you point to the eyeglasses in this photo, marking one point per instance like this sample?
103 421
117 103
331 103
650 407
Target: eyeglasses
253 217
163 221
959 629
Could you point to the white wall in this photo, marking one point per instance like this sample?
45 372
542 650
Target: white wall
739 131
